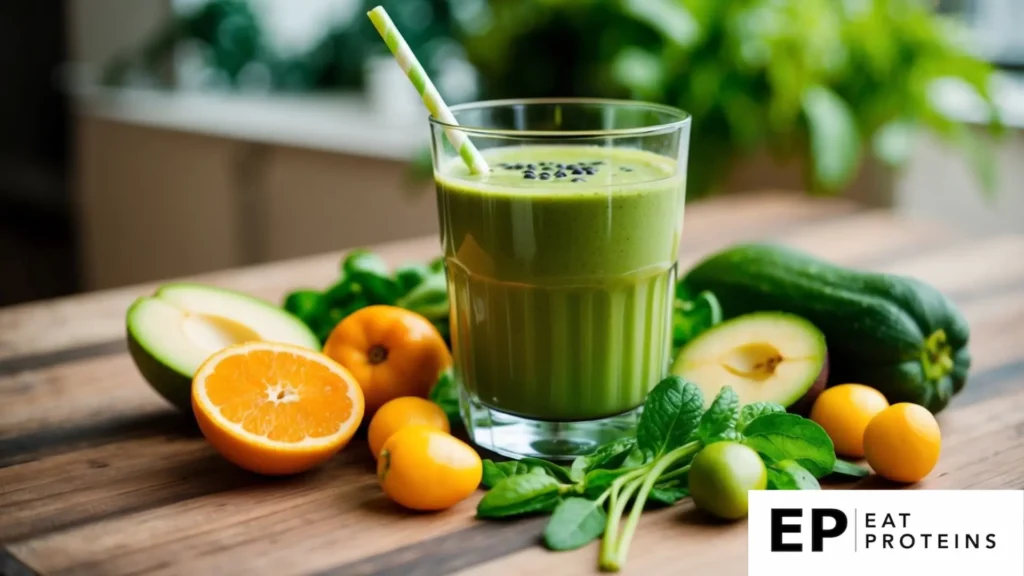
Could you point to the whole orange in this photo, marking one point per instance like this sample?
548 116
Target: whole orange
391 352
425 469
844 412
401 412
902 443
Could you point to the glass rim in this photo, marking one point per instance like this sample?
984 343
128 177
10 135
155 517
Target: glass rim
683 118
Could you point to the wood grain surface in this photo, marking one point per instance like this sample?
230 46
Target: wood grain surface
98 475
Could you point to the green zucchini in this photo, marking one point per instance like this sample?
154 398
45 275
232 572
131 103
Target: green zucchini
894 333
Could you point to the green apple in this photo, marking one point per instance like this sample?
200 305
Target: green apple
173 331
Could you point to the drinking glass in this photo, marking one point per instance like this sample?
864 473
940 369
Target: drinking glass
561 266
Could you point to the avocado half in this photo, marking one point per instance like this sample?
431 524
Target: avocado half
764 356
173 331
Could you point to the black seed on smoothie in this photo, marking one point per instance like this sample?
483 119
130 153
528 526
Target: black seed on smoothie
577 172
517 166
589 171
545 175
560 174
625 168
529 175
560 166
531 166
597 162
578 180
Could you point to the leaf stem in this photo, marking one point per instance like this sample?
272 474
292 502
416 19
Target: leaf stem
612 493
610 543
675 474
660 465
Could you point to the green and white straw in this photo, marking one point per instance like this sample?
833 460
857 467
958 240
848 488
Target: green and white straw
431 98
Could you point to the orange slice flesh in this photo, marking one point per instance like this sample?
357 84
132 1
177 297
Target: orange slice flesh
276 408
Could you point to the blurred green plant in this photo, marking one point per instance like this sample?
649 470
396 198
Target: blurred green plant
233 41
824 81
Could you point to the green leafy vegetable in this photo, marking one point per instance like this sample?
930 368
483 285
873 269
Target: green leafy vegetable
495 472
520 494
611 455
692 315
554 470
844 468
575 522
410 276
752 411
371 272
671 413
667 495
604 493
720 418
790 475
445 394
789 437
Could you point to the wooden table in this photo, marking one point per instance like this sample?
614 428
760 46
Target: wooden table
99 476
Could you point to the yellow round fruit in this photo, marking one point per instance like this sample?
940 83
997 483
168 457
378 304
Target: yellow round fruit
401 412
425 469
902 443
844 412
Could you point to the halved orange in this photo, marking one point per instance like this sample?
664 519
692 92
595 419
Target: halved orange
276 408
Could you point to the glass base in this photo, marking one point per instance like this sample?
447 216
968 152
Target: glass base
517 437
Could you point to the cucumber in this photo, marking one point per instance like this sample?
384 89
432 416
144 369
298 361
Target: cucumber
894 333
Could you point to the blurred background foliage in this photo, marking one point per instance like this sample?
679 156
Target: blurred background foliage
828 83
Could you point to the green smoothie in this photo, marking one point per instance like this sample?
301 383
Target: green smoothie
561 269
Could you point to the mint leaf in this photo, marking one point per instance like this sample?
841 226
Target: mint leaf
789 475
671 413
781 436
844 468
720 417
752 411
519 495
575 522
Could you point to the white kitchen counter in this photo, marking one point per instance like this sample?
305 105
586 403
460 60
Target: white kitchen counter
344 123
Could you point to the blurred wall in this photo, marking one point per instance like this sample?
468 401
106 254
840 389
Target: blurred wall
99 29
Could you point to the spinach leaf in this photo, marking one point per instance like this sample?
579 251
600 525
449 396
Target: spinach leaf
790 475
610 455
519 495
667 495
575 522
844 468
554 470
597 481
781 436
693 314
371 272
671 413
752 411
446 395
720 417
410 276
495 472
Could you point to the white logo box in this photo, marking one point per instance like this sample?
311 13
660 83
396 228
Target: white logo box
899 532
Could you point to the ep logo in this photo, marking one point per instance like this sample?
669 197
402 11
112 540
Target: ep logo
822 523
857 532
